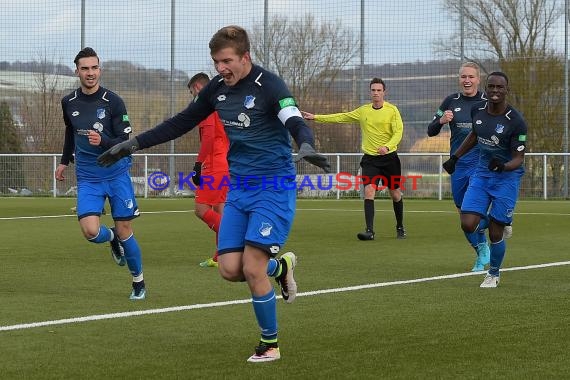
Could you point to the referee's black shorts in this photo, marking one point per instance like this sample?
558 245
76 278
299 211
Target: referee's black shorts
386 168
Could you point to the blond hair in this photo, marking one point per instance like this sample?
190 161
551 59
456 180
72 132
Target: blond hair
473 65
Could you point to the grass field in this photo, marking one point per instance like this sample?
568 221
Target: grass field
385 309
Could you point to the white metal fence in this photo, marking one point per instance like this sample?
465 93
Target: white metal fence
423 177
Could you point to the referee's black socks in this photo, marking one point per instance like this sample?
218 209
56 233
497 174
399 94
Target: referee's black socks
399 212
369 214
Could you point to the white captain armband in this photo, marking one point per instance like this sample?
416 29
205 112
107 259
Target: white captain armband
287 113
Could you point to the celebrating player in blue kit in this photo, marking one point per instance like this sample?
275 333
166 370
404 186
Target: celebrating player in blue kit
455 110
500 132
95 120
259 115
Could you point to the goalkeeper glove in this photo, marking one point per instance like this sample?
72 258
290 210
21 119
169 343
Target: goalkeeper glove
115 153
308 153
496 165
449 165
196 178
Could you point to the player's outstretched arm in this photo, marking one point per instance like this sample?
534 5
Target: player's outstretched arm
303 136
115 153
307 115
308 153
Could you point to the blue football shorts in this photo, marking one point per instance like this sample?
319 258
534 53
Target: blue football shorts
459 183
499 191
91 198
259 217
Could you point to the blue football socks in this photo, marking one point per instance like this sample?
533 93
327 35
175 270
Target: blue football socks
273 267
265 308
472 238
497 255
103 236
133 255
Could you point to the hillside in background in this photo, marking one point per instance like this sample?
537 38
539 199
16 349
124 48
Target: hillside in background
416 88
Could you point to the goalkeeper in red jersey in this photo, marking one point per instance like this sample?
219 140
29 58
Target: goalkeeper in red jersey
210 168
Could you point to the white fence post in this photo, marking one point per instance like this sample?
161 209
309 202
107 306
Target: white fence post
440 185
544 178
54 181
145 176
337 171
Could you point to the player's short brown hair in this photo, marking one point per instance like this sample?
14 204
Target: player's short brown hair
230 36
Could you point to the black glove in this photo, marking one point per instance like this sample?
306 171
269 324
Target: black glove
196 178
496 165
309 154
115 153
449 165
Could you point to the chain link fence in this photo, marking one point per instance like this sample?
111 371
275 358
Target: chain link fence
326 51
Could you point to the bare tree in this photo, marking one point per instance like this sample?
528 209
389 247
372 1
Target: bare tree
11 171
503 29
44 129
310 56
517 35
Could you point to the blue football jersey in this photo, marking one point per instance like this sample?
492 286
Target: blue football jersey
498 136
461 124
105 113
254 112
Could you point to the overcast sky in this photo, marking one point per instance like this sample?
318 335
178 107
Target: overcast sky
139 30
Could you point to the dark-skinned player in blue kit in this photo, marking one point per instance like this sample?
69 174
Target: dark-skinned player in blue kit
259 115
500 131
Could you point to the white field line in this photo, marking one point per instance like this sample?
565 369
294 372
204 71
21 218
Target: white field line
90 318
299 209
75 216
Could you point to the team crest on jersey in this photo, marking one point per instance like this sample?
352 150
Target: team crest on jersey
249 102
100 113
98 127
265 229
129 203
499 128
